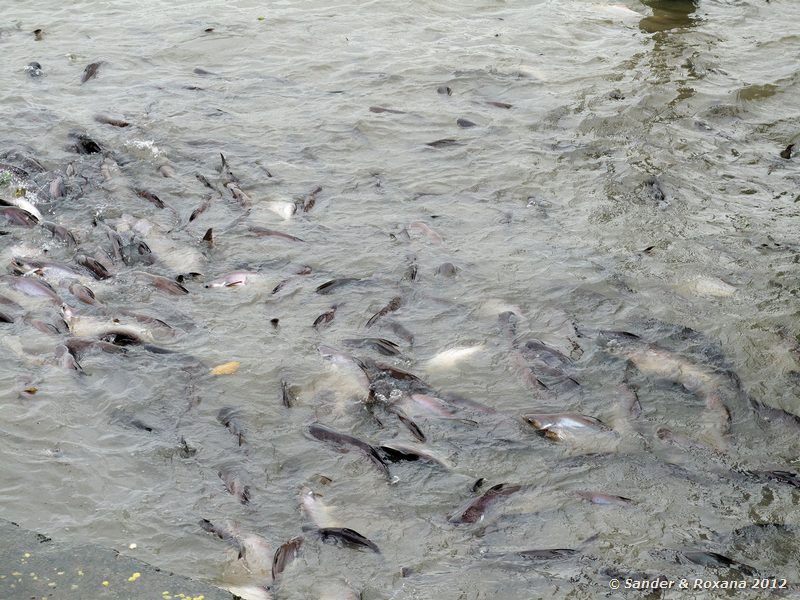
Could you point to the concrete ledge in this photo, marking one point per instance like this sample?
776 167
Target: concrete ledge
34 567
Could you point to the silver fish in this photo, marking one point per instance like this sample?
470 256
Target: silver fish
235 485
316 510
233 279
560 426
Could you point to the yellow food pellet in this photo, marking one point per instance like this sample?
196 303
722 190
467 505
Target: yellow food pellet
60 573
80 572
73 587
51 584
105 584
16 574
27 555
134 577
228 368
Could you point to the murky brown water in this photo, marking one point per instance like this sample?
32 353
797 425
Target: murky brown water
634 182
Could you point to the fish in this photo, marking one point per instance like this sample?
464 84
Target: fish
442 143
476 509
57 188
18 216
227 417
66 360
311 199
49 268
774 415
396 452
381 109
688 445
106 120
45 327
285 554
316 510
465 123
200 209
444 90
235 486
786 153
98 270
264 232
401 331
343 440
233 279
560 426
325 318
347 364
282 208
287 398
658 362
788 477
208 238
31 286
499 104
90 72
85 326
410 425
392 306
629 401
254 550
225 171
249 592
538 554
705 285
449 358
334 284
715 560
10 303
431 405
60 233
239 195
426 230
232 183
381 345
163 283
348 537
604 499
447 269
535 350
383 370
20 201
150 197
